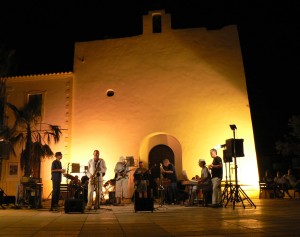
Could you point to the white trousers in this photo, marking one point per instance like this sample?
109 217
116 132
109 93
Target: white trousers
91 189
121 188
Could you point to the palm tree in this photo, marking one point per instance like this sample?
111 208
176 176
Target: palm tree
33 137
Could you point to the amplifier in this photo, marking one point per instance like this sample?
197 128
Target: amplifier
74 205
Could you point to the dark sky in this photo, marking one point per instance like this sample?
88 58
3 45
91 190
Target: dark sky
43 34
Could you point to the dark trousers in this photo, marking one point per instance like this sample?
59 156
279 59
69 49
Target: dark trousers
55 192
172 193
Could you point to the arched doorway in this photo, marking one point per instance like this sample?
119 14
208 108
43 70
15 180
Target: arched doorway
156 156
158 146
158 153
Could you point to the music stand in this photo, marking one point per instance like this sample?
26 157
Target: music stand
237 194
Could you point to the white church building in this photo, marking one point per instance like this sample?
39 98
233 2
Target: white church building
171 95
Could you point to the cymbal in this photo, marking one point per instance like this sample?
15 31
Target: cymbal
68 176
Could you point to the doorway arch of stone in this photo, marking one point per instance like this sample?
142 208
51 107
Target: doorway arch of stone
163 142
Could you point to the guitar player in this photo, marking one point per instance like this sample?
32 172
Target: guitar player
121 176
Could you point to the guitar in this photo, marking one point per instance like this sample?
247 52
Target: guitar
122 174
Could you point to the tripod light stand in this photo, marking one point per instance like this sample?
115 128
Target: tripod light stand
237 194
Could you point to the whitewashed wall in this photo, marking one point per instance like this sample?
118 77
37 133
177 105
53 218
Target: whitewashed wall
188 84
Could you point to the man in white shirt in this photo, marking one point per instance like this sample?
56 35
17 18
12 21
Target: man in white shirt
95 172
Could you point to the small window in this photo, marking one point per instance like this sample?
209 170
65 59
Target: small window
36 99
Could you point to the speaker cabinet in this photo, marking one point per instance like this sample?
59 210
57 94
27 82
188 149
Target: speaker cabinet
238 144
143 204
74 205
227 156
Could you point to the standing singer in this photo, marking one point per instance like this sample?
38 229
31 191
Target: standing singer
95 171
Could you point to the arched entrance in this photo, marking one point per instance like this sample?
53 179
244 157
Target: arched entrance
160 152
158 146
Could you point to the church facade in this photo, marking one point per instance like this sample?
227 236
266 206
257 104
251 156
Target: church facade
170 95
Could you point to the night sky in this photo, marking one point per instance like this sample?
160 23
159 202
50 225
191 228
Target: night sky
43 35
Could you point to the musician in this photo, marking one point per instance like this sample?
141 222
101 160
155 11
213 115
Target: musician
74 187
95 171
216 168
84 184
154 180
169 173
56 175
141 180
204 182
121 177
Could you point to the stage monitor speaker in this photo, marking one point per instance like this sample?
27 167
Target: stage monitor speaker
227 156
74 205
239 147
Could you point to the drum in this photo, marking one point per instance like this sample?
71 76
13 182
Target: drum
111 182
68 176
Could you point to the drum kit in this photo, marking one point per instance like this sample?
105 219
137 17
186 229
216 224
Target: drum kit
80 189
109 190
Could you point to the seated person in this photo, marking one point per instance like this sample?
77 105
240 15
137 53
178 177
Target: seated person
205 183
269 184
75 186
268 178
281 185
293 183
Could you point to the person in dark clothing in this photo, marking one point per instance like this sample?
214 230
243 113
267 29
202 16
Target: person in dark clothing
169 173
216 168
141 180
84 183
56 175
154 180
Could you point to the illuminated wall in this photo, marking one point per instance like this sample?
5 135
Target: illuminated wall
179 85
181 88
57 110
